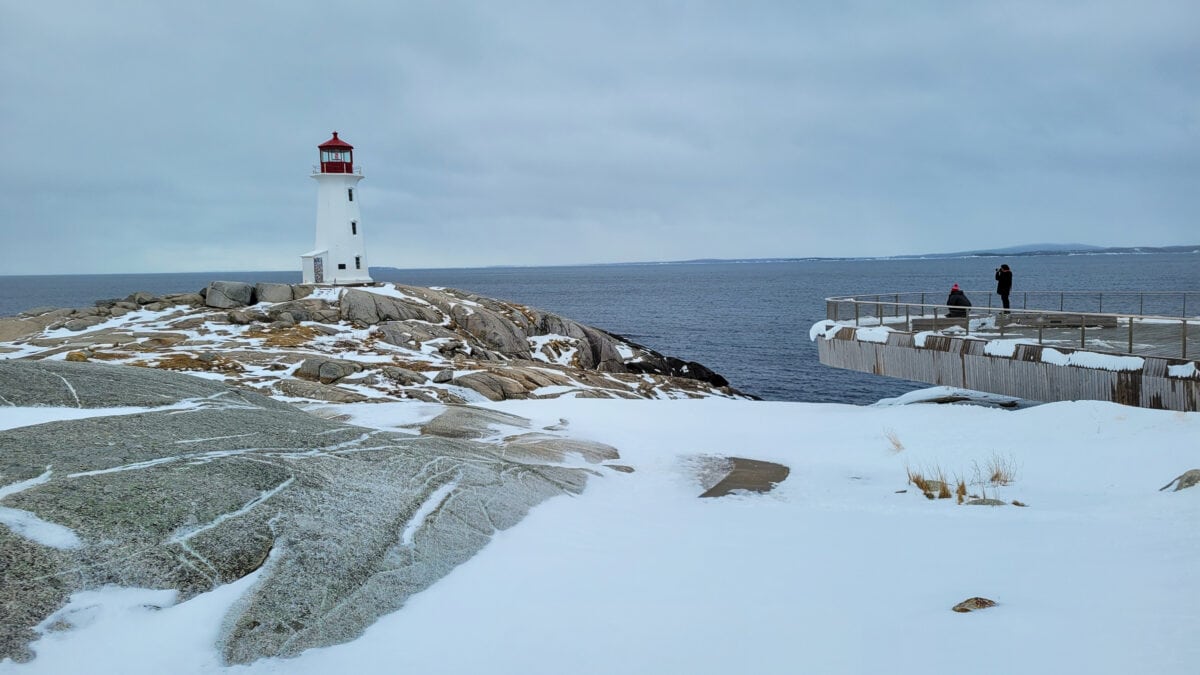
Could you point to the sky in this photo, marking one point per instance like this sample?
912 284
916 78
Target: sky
164 137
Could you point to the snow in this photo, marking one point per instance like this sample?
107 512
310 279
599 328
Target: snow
1093 360
875 334
28 525
833 571
1005 348
1185 370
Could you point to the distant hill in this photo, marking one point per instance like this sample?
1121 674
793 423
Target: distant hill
1011 251
1062 249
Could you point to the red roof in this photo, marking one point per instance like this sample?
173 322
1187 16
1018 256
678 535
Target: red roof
335 142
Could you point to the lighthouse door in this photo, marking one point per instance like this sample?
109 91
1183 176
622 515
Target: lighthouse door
319 270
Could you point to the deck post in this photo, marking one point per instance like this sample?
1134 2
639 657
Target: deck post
1131 335
1183 355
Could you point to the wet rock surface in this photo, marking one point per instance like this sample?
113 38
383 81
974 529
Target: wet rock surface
340 524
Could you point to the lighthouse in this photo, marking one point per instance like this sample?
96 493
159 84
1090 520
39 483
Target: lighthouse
339 256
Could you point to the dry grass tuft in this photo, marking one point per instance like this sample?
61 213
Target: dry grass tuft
998 471
292 336
890 434
961 491
943 490
933 485
185 362
917 479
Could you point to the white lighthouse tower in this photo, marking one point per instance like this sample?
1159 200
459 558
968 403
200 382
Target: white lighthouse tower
339 256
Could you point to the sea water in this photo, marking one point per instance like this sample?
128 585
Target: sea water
748 321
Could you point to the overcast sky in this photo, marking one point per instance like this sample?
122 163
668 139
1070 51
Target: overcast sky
172 136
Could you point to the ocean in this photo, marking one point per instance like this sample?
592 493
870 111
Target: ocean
748 321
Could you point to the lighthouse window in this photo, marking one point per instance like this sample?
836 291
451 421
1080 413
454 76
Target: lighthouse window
358 262
354 227
341 266
350 193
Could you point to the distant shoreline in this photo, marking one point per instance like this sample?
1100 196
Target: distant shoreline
1006 253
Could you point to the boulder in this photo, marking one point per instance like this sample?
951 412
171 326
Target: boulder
695 371
326 370
319 392
972 604
193 299
267 292
84 323
229 294
371 308
443 376
245 316
300 310
142 298
492 329
494 387
406 333
403 376
604 355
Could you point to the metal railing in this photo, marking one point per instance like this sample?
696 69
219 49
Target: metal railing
1151 323
356 169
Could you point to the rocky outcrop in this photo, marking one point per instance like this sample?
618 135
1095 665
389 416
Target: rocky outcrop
494 387
492 329
210 484
319 392
327 371
511 351
973 604
229 294
266 292
307 309
371 308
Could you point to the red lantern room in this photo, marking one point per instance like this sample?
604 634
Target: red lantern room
337 156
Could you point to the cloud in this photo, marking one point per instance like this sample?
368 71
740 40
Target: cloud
164 138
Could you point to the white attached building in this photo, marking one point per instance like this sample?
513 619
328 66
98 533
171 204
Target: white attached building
339 256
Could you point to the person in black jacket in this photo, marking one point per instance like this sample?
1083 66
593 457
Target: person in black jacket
1003 283
958 302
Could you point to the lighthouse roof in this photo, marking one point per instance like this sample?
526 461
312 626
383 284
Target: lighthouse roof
335 142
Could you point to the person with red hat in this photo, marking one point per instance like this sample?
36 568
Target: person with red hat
958 302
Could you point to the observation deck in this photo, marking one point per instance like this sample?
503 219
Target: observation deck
1134 348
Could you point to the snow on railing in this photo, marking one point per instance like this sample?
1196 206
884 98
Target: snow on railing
1117 322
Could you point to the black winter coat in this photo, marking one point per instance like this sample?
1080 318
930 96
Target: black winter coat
959 302
1003 282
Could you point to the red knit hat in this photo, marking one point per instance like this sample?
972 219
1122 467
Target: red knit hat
954 287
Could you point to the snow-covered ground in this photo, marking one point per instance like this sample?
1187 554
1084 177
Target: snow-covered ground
833 571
